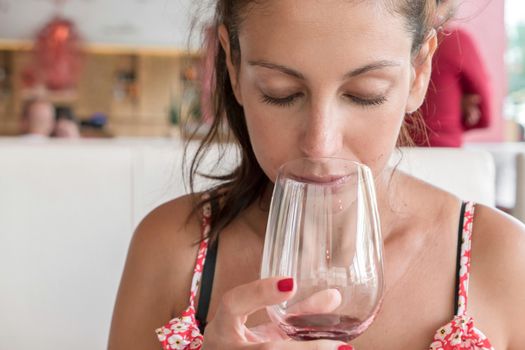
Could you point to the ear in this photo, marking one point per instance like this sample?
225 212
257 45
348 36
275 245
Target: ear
421 70
224 38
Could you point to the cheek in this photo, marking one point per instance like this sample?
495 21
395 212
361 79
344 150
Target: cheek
379 127
376 138
271 135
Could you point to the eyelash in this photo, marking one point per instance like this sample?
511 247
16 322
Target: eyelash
289 100
281 102
368 102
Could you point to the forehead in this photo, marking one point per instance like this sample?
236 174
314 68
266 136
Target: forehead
324 29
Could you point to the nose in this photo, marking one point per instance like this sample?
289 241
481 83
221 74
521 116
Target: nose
322 133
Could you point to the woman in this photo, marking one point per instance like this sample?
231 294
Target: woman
309 78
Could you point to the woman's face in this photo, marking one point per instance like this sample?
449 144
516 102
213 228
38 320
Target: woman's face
325 79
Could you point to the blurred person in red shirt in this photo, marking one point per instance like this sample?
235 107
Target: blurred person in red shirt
459 96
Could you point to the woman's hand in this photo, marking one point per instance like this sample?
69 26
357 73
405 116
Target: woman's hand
227 331
471 110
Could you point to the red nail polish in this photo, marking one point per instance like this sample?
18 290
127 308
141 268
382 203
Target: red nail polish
345 347
285 285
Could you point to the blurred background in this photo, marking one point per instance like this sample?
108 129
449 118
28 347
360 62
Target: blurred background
124 66
96 100
130 64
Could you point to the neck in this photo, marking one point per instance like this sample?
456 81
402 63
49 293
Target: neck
391 202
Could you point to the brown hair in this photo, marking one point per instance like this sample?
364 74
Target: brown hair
247 182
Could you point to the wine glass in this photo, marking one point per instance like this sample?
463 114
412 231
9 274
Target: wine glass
323 230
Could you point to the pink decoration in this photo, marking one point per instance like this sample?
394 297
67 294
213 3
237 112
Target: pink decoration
57 56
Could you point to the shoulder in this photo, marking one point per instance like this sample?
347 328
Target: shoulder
498 262
166 243
156 281
499 236
174 221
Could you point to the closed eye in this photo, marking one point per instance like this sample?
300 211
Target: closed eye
367 101
281 101
289 100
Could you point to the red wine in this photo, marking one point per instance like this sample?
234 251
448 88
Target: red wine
324 326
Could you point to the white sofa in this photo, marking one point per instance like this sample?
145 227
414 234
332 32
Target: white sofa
68 210
519 209
509 159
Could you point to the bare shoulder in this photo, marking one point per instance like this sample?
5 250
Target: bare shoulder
498 264
156 281
499 239
166 241
173 226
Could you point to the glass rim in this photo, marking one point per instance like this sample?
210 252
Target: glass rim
355 162
284 170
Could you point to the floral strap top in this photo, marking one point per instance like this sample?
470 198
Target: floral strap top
183 333
460 333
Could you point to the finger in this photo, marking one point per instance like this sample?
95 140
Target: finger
264 333
245 299
475 99
472 98
473 116
306 345
321 302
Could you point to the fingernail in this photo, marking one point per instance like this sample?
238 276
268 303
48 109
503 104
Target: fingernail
345 347
285 285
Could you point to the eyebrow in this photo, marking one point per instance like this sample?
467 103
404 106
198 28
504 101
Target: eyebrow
372 66
353 73
278 67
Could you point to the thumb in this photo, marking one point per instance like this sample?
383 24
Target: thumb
320 302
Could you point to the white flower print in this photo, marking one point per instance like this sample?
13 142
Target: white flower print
464 267
177 342
179 326
463 321
174 339
198 269
195 281
456 338
196 343
467 344
437 345
195 332
478 333
444 331
467 234
201 255
187 320
461 303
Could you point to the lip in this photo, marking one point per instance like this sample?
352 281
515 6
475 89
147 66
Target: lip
330 180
